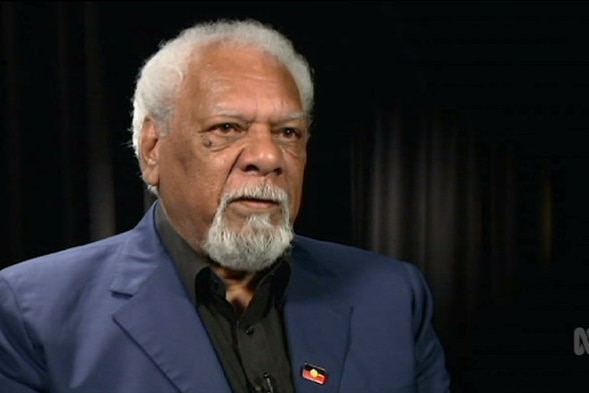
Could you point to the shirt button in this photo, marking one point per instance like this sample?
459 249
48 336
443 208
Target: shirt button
249 330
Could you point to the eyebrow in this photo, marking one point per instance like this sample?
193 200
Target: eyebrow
227 112
293 116
239 115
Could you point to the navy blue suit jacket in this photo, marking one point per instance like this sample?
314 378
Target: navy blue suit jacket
113 317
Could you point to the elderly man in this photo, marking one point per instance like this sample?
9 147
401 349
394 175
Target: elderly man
211 292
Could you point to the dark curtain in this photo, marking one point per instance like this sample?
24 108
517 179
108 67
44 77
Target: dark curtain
487 198
49 95
422 194
61 139
473 214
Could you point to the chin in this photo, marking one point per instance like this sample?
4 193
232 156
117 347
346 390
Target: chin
254 247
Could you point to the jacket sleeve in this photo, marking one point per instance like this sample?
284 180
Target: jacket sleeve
21 365
432 375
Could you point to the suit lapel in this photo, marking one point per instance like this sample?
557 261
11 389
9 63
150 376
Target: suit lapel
160 318
317 327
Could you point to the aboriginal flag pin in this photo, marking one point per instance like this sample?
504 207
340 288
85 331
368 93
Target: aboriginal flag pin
314 373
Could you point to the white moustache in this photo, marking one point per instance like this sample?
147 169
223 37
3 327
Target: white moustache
262 191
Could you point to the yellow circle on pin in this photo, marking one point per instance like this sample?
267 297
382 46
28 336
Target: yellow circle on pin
313 373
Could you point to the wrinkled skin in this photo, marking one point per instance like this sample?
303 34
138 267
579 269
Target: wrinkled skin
238 120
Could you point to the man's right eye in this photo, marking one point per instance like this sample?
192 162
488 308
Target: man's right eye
226 127
220 135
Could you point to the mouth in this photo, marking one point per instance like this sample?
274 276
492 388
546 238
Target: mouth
256 203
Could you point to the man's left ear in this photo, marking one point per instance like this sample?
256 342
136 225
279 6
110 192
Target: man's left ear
149 152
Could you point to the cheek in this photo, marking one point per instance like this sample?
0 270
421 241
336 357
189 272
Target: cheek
208 178
189 171
194 188
299 164
297 170
187 158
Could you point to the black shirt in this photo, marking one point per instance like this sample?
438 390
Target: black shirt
251 346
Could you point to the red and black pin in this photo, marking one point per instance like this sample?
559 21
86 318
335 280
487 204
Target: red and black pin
314 373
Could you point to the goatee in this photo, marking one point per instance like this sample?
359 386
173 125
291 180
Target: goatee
259 242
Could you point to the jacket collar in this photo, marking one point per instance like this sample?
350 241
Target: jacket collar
159 316
161 319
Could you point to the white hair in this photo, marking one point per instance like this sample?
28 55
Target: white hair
258 243
160 77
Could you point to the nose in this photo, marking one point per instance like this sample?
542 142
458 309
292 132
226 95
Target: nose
261 155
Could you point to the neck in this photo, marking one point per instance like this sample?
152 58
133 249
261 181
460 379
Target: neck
240 285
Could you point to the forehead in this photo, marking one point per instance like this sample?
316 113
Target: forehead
227 65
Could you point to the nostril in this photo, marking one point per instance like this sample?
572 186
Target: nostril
255 168
252 168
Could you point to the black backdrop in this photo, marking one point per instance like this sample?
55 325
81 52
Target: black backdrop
449 134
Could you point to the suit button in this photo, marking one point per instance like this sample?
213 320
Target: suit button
249 330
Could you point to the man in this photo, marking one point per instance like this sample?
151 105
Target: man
211 292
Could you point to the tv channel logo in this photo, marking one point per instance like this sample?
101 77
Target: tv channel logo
581 341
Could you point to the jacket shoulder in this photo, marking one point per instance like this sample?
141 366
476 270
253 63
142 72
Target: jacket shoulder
347 263
69 264
342 256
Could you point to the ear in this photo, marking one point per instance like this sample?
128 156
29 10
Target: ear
149 152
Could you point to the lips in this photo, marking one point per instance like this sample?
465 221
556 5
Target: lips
256 203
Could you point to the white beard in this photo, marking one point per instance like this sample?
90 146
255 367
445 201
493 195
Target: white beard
258 243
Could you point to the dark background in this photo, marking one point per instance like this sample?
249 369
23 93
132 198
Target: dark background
448 134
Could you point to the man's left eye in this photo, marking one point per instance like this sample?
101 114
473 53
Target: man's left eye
226 127
290 132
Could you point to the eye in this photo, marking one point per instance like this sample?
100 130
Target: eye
219 135
226 128
290 132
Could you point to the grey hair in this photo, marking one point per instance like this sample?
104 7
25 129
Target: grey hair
259 243
159 79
